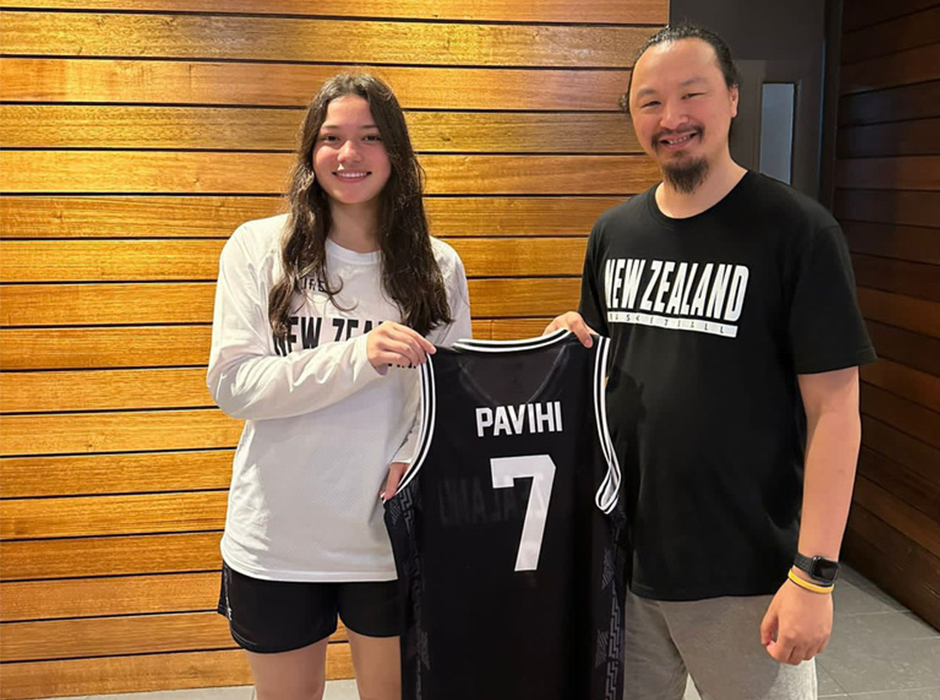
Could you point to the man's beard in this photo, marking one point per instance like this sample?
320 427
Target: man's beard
685 177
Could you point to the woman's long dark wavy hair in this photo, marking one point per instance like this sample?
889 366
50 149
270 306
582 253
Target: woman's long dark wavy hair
410 274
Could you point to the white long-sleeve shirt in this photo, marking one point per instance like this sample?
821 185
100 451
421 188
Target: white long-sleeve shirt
321 424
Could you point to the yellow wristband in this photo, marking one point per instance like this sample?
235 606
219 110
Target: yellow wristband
806 585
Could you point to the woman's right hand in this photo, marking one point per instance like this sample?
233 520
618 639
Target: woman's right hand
574 323
394 344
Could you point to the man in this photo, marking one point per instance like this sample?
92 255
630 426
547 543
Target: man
732 395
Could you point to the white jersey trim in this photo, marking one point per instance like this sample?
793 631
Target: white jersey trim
428 415
473 345
609 492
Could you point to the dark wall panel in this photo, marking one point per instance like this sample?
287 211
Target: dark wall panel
888 201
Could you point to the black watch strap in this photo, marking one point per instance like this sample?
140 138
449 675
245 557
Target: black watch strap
819 569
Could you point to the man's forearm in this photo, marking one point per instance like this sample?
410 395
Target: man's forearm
833 437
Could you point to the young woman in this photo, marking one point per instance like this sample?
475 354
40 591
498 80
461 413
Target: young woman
320 316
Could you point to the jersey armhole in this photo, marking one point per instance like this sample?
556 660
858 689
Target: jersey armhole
609 492
426 434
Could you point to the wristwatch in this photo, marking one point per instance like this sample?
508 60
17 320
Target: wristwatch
818 568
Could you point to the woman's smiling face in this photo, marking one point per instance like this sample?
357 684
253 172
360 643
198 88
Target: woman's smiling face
349 160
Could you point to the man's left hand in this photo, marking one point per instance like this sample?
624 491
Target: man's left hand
797 625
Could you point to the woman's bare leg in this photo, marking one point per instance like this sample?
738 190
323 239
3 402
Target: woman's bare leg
291 675
377 661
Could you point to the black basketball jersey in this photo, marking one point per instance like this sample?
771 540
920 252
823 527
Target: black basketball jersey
506 527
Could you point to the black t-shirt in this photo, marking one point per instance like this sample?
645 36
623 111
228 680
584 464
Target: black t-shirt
712 317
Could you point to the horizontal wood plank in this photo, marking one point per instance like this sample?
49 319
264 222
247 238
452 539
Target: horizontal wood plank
126 216
906 32
914 455
913 385
517 328
71 304
110 556
110 261
156 346
912 349
76 475
283 39
108 596
902 68
892 207
904 312
86 433
606 11
892 104
128 674
104 390
144 171
197 260
911 138
523 216
912 243
864 13
919 527
267 173
162 128
895 563
100 348
265 84
918 280
247 129
902 173
84 516
918 422
83 304
109 636
908 486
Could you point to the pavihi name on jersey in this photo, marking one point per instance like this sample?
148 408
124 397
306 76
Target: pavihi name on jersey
524 418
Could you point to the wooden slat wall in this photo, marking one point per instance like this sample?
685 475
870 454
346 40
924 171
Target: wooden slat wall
136 135
888 201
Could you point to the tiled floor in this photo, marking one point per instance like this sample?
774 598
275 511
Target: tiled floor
879 651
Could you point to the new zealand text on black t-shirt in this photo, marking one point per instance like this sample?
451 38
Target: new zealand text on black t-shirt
675 294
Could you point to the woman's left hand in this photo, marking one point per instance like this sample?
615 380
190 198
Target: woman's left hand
395 472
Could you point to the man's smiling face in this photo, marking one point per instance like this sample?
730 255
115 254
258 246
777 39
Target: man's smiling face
682 109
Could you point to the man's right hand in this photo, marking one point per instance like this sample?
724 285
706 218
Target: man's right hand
574 323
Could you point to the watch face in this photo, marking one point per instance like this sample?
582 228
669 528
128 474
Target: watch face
824 570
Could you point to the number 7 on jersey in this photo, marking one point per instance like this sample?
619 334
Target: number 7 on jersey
541 468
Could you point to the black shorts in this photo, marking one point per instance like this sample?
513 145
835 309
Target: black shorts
269 617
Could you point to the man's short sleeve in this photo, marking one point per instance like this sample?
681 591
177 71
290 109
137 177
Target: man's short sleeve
826 327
